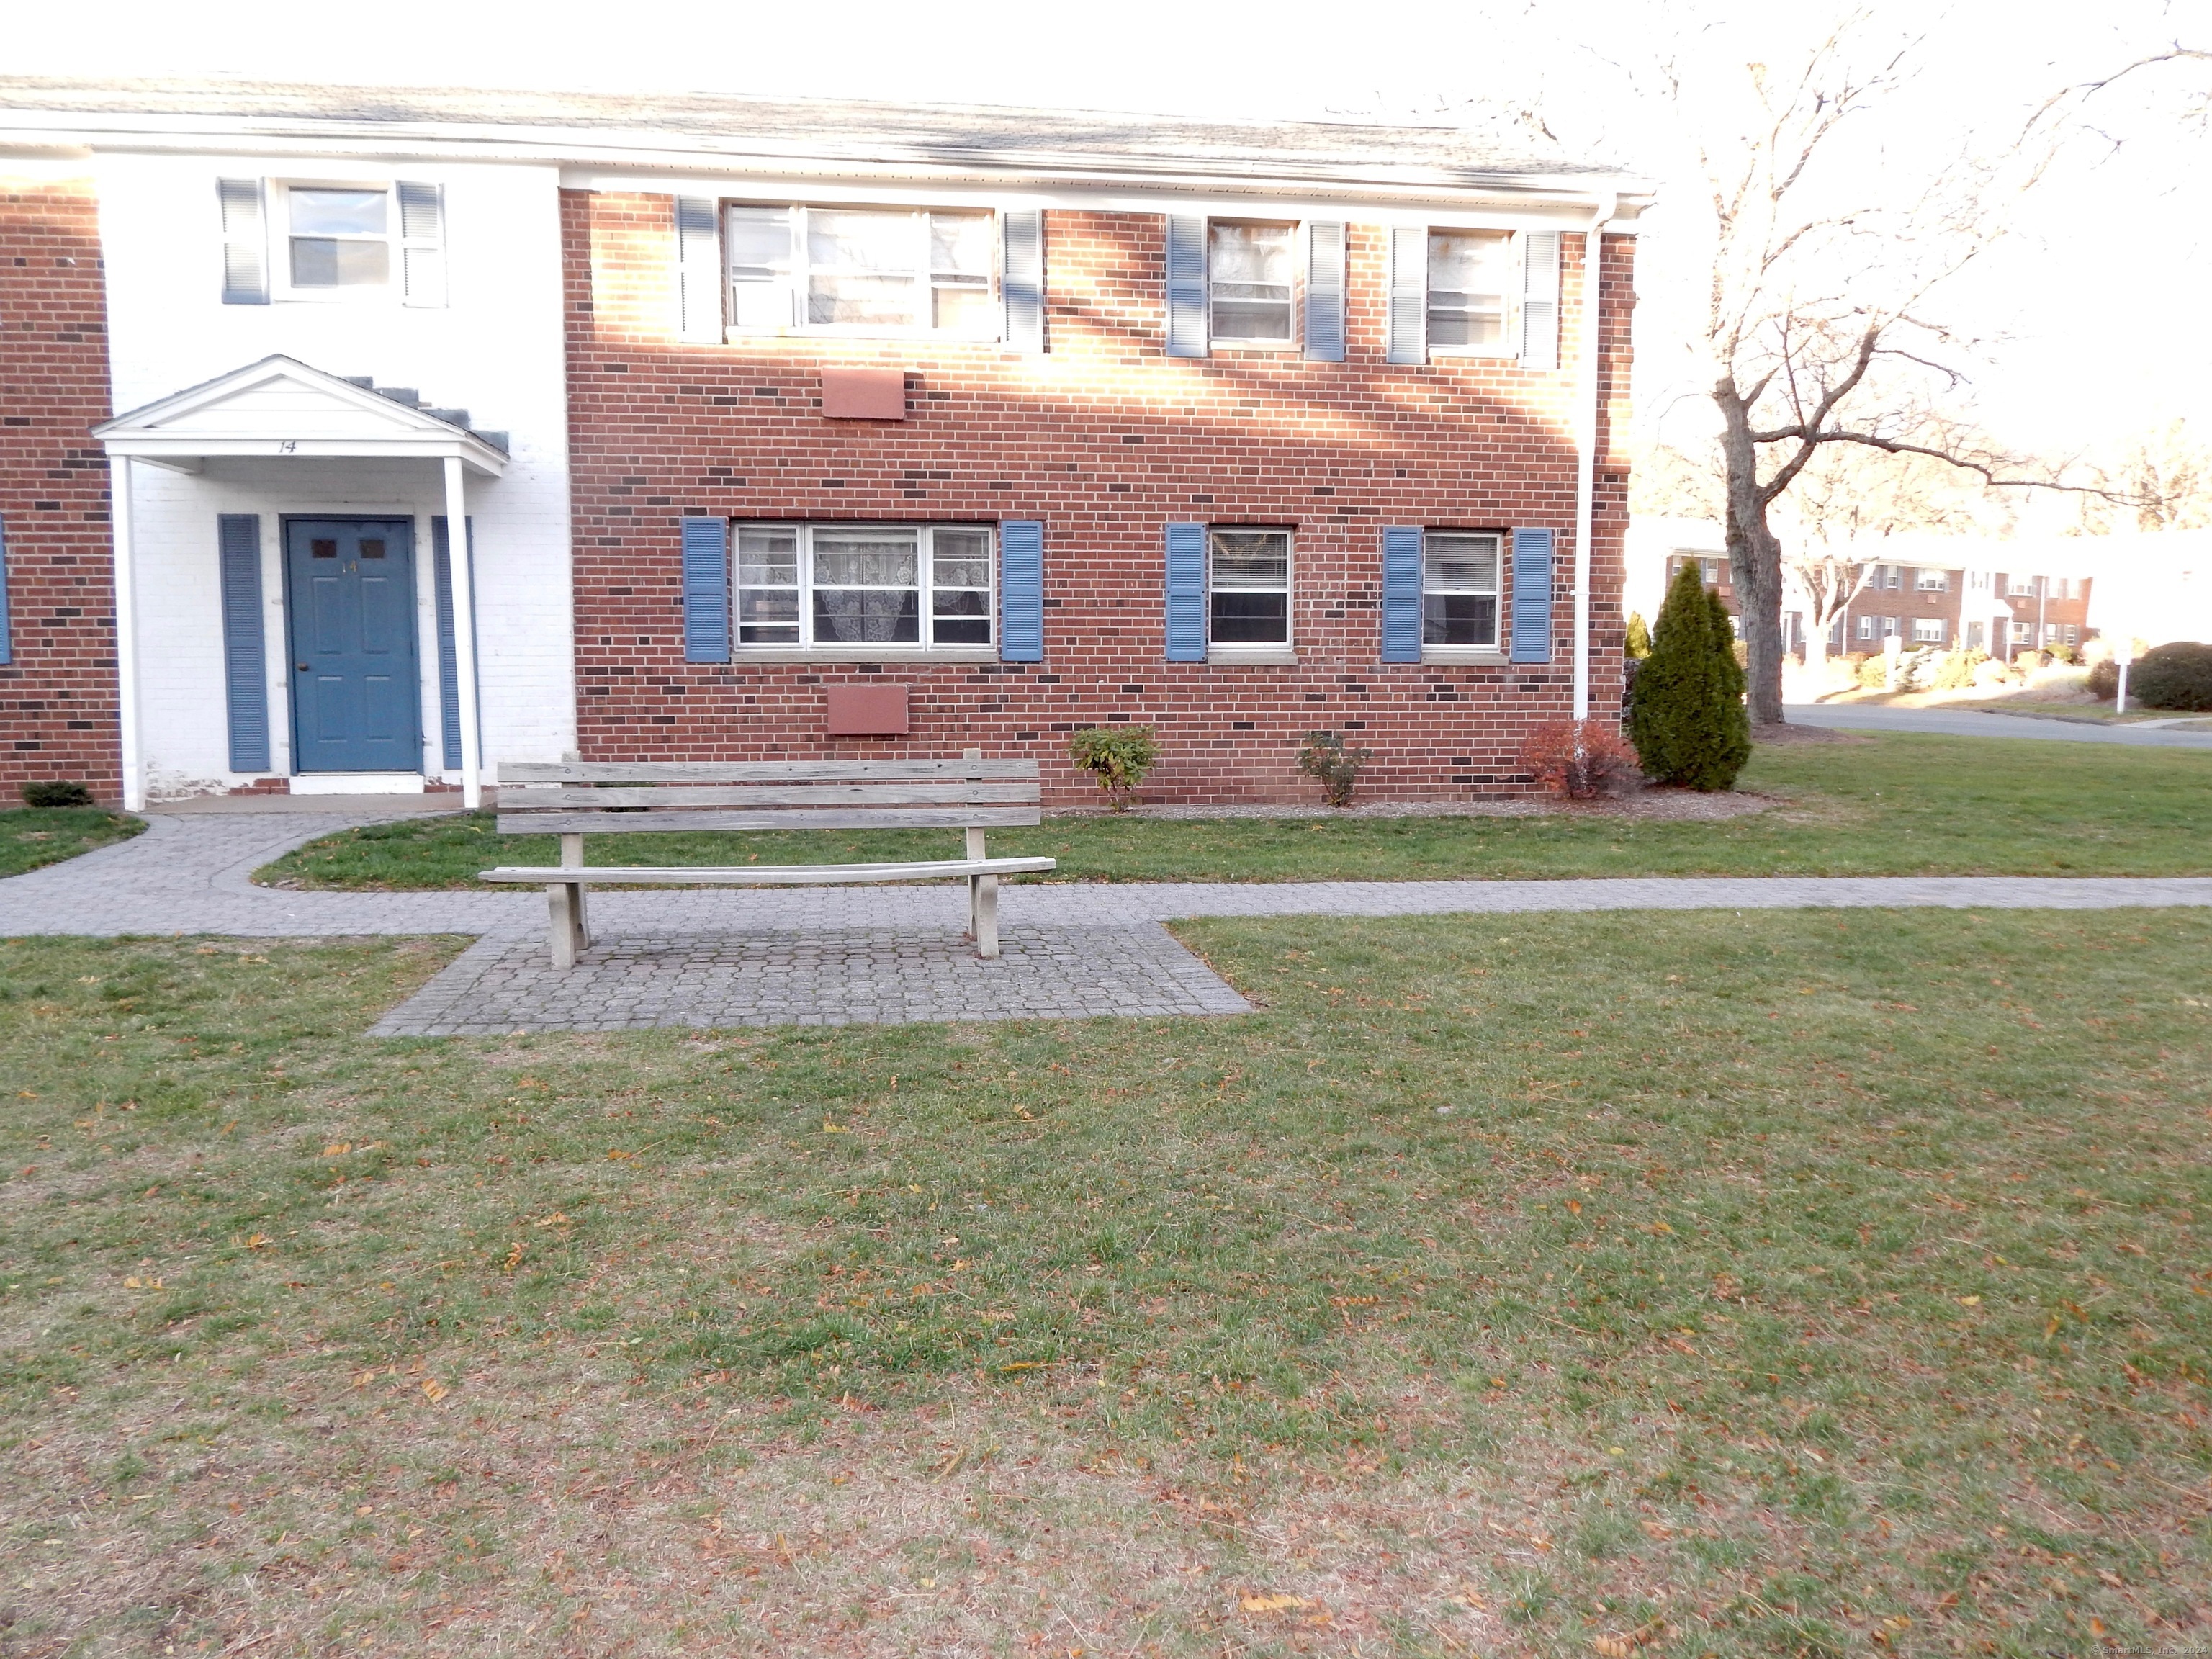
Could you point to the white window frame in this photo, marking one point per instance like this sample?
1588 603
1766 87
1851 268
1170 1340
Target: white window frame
1238 342
1256 650
391 291
808 649
1441 651
2019 587
1941 636
1928 579
1868 627
797 271
1508 348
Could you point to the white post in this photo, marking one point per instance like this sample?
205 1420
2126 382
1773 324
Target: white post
1586 445
126 635
461 565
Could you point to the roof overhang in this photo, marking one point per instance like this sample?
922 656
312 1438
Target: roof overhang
281 407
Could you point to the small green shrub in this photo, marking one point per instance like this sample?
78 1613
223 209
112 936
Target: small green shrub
1873 672
1955 670
1323 755
1118 756
56 792
2173 676
2062 652
1688 721
1638 645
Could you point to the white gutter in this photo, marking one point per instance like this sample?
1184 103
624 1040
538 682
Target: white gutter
1586 443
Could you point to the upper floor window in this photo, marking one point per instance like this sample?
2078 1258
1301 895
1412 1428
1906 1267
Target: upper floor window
1470 280
832 586
1249 281
1249 587
1933 581
862 271
2021 588
339 239
1459 589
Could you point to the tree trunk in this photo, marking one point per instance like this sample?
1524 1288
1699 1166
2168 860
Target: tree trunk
1756 556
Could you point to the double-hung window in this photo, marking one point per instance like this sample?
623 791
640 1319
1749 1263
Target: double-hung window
2021 588
1459 589
1470 279
1927 630
337 239
862 271
1248 283
1248 588
840 587
1867 625
1932 580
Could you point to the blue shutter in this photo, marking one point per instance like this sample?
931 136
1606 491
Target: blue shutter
1409 293
1185 592
244 243
1531 596
1186 323
6 634
1401 594
1539 299
706 590
1325 291
1021 591
244 656
449 656
1021 278
698 269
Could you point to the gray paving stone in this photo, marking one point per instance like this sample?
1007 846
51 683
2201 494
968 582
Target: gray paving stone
841 954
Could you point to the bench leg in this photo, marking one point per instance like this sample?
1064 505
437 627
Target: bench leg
983 914
572 858
564 903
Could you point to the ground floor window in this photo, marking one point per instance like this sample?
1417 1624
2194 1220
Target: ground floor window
826 586
1249 586
1867 626
1459 589
1927 630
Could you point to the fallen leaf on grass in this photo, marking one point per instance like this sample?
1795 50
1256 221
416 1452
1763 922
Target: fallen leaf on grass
259 1240
435 1390
1277 1603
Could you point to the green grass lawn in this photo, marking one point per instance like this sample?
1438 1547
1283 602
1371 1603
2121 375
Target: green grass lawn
31 837
1788 1284
1897 804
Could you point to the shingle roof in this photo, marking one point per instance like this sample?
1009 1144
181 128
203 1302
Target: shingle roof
1493 150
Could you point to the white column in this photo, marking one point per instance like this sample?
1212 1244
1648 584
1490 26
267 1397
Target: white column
465 632
126 633
1586 443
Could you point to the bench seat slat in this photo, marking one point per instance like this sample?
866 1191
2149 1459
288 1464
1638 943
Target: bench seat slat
802 794
830 771
748 875
847 817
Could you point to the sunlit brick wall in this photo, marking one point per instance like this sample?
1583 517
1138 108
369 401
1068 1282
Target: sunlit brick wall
1105 440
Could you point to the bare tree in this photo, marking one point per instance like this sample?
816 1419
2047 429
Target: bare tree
1830 263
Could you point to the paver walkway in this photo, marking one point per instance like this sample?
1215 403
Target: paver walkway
735 956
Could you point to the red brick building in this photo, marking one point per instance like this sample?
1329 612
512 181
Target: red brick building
786 429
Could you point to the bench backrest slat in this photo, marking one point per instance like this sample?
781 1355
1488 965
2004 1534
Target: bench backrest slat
833 771
512 799
560 822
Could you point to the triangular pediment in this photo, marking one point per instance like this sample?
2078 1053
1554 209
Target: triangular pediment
282 406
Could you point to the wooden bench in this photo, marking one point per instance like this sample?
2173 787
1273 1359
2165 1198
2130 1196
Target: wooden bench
575 798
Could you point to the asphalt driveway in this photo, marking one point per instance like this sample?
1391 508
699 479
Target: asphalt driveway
1975 723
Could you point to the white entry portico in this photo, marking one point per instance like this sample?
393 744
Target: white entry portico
280 487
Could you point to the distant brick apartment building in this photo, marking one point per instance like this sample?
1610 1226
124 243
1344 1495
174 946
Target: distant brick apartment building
1928 604
1029 420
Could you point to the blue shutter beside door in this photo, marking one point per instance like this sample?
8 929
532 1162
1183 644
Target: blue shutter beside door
1401 593
449 656
1531 596
1185 592
1022 277
1186 323
1021 591
244 655
1325 291
706 590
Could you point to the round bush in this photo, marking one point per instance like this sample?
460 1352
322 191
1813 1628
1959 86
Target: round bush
56 792
2175 675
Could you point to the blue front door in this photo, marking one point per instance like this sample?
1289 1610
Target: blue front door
357 697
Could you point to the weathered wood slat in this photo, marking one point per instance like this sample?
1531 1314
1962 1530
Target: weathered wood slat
751 875
802 794
847 817
837 771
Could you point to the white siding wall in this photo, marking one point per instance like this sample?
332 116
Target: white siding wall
495 349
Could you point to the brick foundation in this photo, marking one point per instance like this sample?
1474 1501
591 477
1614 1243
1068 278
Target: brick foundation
57 699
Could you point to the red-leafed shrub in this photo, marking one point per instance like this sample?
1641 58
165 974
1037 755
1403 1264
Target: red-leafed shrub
1579 760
